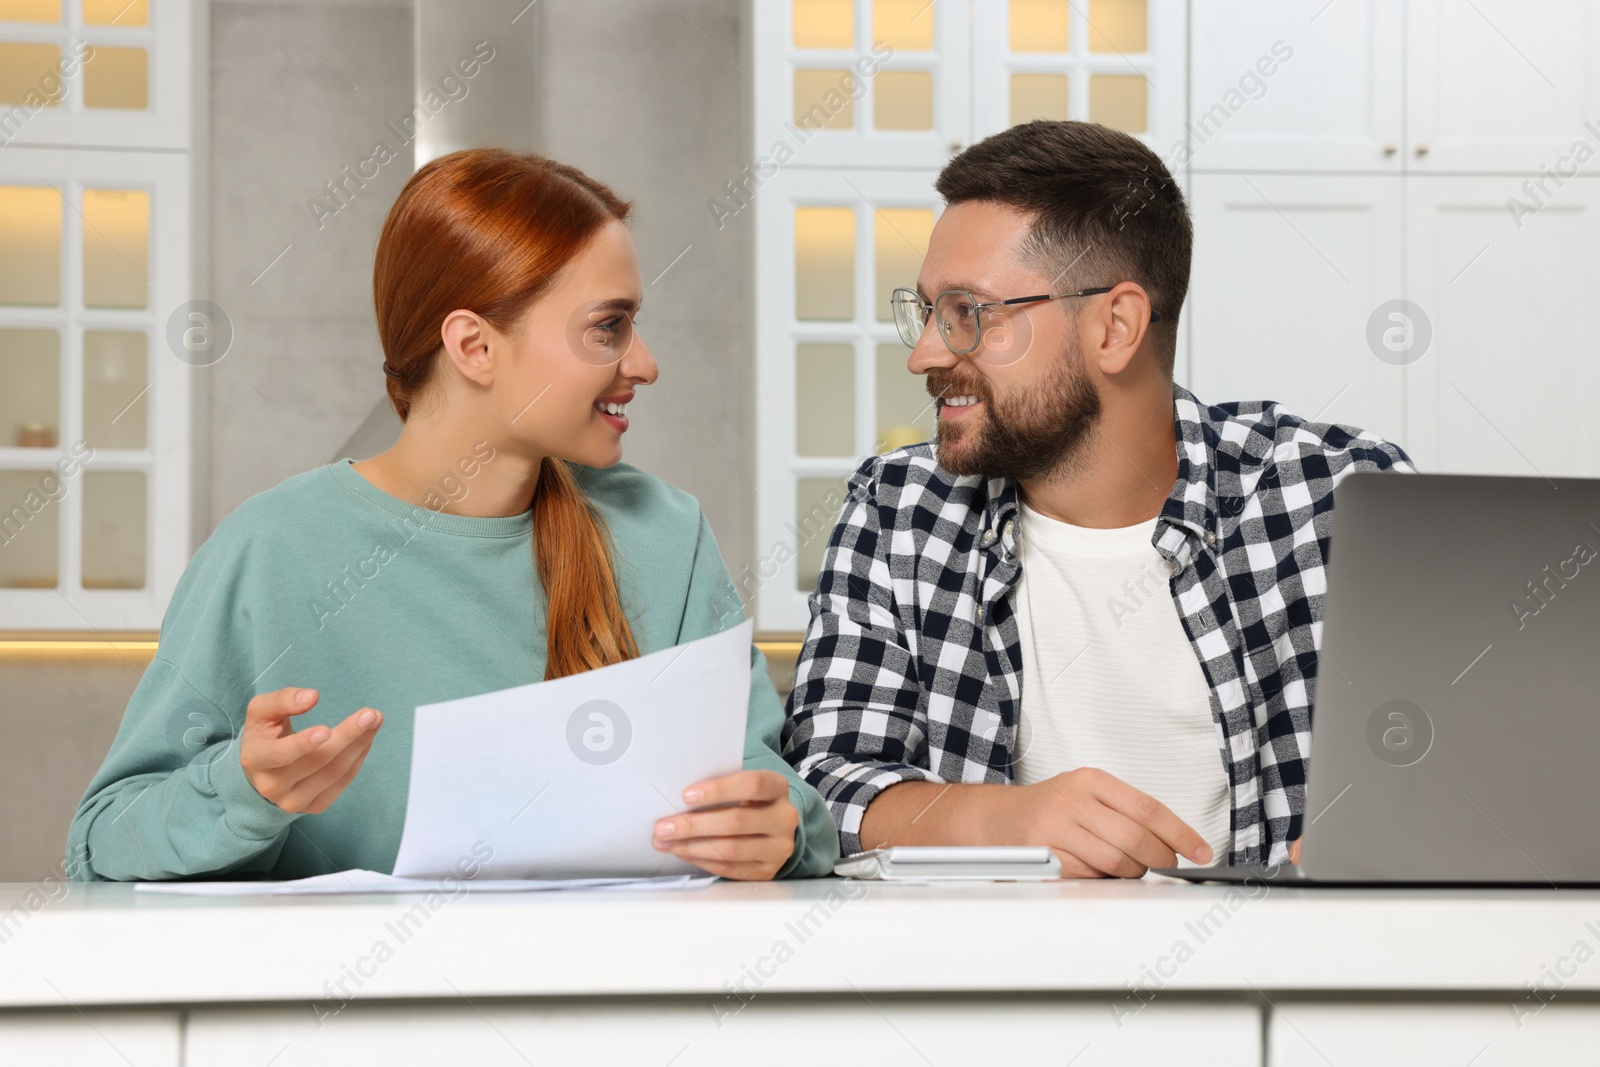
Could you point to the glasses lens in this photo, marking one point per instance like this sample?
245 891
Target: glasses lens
908 317
600 336
957 316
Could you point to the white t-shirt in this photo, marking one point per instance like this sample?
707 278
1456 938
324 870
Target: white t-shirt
1109 678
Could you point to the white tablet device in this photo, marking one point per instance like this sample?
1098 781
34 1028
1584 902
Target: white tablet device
977 863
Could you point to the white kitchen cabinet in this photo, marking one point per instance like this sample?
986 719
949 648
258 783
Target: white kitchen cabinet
1291 270
94 1038
1503 86
1296 85
1520 1029
1510 384
1445 153
1423 86
886 1030
1287 272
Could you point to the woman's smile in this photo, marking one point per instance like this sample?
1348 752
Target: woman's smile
614 410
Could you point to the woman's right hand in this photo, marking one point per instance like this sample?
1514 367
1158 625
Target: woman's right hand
305 770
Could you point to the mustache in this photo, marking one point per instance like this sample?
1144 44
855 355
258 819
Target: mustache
943 384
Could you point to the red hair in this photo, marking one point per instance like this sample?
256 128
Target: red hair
487 230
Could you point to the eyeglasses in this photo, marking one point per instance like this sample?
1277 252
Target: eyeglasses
959 314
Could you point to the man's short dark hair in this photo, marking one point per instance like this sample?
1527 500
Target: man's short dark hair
1104 209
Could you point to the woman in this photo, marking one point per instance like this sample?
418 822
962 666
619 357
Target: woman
498 542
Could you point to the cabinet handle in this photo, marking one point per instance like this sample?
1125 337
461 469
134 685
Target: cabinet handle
1390 148
1422 149
957 145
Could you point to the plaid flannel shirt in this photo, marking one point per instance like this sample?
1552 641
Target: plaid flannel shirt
912 664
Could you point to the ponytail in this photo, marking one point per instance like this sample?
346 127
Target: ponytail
572 548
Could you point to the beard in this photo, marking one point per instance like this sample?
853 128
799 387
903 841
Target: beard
1037 433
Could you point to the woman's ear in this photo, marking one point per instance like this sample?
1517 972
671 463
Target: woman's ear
470 343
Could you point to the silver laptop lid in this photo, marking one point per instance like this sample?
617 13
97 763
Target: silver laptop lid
1456 721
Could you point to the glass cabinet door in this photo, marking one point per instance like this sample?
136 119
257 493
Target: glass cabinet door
95 233
832 381
859 82
1096 60
113 73
94 412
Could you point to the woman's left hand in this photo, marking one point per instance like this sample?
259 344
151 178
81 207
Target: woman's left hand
748 841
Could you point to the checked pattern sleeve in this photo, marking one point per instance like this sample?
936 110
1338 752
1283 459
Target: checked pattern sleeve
856 724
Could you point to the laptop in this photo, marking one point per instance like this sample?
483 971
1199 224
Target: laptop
1455 732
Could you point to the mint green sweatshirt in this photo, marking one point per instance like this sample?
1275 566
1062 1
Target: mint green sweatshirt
328 582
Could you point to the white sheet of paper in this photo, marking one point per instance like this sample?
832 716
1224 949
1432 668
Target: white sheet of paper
566 779
359 881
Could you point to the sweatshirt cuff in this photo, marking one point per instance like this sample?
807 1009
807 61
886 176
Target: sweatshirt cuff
812 858
798 857
245 812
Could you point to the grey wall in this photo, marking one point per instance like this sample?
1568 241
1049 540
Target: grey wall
300 90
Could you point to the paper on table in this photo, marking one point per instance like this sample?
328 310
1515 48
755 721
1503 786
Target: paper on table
566 779
359 881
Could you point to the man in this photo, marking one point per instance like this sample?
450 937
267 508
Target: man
1086 616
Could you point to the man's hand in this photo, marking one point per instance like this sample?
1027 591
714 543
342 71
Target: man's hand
1097 824
749 838
1294 851
302 771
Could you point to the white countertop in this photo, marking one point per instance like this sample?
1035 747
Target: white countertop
106 944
